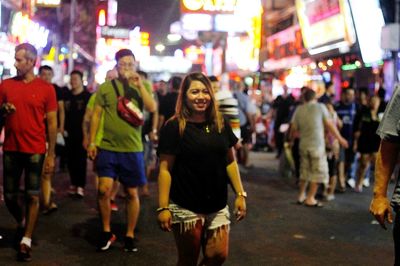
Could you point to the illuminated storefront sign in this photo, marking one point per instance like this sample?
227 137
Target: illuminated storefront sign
23 29
286 43
114 32
368 20
198 22
325 24
48 3
208 6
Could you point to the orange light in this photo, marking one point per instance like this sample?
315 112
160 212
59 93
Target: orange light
102 17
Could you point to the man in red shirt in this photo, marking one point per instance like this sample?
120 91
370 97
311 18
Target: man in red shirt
27 103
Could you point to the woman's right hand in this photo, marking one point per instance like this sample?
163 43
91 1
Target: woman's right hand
165 220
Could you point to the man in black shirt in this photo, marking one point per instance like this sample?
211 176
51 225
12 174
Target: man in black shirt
75 107
46 73
167 104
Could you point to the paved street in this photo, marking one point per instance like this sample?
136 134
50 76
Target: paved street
276 231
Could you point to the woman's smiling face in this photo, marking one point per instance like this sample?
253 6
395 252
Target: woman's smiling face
198 96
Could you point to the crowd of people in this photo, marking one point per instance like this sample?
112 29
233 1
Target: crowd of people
197 149
343 132
202 136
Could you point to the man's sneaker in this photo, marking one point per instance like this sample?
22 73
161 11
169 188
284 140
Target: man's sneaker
106 239
24 253
366 182
329 197
130 244
80 192
351 182
114 206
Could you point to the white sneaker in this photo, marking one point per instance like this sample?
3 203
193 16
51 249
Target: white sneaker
330 197
351 182
366 182
80 192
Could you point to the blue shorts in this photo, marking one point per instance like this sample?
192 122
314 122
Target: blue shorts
126 167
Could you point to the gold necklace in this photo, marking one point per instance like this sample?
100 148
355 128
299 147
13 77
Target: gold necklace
207 129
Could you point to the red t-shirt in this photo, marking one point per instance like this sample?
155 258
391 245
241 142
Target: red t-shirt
25 129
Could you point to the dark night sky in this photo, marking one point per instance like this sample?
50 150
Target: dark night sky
154 16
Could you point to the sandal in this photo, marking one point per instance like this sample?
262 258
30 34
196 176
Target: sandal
49 210
315 205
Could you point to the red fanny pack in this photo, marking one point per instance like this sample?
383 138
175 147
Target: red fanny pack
127 110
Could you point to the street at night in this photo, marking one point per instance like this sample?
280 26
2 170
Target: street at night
268 132
276 231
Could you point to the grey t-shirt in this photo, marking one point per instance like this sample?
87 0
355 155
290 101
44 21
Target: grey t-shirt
389 130
390 124
309 120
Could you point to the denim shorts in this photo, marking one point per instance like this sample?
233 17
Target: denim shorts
14 164
188 219
126 167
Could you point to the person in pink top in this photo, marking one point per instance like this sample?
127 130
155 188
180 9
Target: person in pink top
27 103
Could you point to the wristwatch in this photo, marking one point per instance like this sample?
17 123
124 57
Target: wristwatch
242 194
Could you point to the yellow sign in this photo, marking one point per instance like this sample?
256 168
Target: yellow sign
208 6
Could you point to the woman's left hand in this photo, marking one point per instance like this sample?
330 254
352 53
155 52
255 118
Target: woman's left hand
240 207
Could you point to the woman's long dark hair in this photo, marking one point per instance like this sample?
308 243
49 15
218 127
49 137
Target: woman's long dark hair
182 110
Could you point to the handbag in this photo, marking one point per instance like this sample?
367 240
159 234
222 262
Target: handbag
126 109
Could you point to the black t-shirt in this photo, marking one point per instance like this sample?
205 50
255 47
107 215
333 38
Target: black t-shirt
167 105
369 141
283 106
199 176
59 92
75 107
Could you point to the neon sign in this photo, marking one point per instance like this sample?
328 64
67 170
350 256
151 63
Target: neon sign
23 29
208 6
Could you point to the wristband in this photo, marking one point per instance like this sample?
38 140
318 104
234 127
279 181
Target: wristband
162 209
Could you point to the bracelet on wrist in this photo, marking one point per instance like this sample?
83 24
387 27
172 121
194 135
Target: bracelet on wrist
242 194
162 209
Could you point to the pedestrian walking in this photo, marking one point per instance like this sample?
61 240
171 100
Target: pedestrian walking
75 105
196 163
49 206
25 101
386 160
309 121
120 153
366 141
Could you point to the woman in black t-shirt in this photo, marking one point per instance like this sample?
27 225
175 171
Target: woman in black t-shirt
196 164
366 141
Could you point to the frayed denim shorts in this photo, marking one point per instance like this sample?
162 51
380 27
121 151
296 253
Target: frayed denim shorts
188 219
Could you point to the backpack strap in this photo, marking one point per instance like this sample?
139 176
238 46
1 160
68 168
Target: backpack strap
114 84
